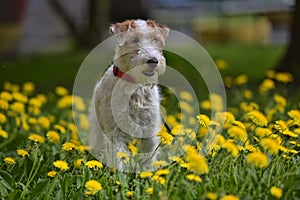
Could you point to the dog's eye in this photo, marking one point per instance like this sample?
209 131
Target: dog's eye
157 41
135 40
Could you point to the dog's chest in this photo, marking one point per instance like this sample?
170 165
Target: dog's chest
143 105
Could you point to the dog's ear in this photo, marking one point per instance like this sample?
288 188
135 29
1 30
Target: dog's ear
122 27
162 28
165 31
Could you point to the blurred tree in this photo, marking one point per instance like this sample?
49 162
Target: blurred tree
97 19
291 59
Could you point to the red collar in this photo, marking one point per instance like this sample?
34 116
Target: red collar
117 72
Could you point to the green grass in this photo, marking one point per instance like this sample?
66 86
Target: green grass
225 170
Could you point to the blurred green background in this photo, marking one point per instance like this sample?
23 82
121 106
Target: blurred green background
46 41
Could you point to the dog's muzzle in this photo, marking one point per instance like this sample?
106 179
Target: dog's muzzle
152 64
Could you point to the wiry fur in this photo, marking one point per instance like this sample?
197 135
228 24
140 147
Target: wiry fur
121 110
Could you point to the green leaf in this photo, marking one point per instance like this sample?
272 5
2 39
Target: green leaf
3 190
15 195
8 180
41 187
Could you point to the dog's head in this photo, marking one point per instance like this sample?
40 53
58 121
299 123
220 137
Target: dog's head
140 48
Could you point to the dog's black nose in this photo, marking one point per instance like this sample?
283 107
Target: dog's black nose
152 62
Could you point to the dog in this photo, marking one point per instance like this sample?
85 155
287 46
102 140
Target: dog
126 100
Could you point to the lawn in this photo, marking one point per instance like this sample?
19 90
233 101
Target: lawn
248 151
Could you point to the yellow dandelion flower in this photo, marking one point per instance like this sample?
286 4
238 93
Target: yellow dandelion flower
247 107
295 115
239 124
61 91
266 86
238 133
276 192
35 102
262 132
229 197
286 157
22 152
216 102
162 172
171 120
290 133
231 148
44 122
83 148
60 164
84 123
65 102
284 77
203 120
28 87
211 196
270 145
60 128
129 194
228 81
68 146
241 79
283 149
18 107
184 165
6 96
187 96
159 179
175 159
3 134
221 64
19 97
258 159
165 137
53 137
150 190
251 148
248 94
123 156
186 107
92 187
78 163
36 138
280 100
93 164
292 151
10 87
194 177
220 139
159 163
178 130
257 118
51 173
281 126
146 174
42 98
3 104
78 103
206 105
270 73
9 160
196 161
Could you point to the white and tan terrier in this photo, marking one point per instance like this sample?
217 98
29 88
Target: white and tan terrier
126 101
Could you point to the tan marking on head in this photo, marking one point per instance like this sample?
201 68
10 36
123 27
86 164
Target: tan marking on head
122 27
162 28
131 24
